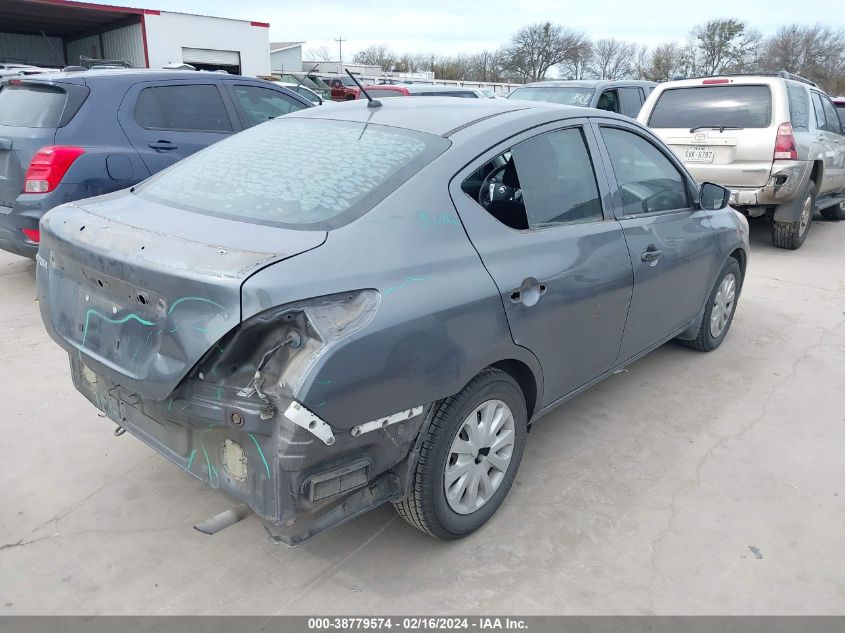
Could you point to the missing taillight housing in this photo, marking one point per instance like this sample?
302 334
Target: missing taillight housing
48 167
785 143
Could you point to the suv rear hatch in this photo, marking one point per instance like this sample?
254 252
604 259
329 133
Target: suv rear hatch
30 113
723 131
142 306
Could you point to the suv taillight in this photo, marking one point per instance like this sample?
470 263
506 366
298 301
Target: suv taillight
48 167
785 143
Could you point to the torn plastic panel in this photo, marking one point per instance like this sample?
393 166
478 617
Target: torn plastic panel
270 355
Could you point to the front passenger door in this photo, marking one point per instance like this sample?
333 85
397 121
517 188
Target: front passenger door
670 240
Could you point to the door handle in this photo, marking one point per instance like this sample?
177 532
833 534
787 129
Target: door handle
529 293
163 145
651 255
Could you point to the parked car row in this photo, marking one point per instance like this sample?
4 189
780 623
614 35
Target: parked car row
68 136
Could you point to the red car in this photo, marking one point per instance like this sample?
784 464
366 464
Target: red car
343 88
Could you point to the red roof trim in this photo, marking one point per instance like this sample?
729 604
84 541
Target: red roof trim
264 25
93 7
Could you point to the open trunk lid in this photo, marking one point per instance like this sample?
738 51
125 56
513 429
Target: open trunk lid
724 133
142 305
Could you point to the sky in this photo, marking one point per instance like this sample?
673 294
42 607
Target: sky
458 26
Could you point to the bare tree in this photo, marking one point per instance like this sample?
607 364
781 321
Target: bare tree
319 54
376 55
723 45
816 52
536 48
665 62
577 62
612 59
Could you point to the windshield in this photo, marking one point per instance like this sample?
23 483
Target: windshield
740 106
563 95
31 106
298 173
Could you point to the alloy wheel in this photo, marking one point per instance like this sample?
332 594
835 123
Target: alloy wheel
723 305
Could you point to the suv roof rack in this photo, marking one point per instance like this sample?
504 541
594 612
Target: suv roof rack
782 74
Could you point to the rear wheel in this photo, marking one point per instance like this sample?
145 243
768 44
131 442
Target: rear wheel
791 235
834 213
721 306
469 457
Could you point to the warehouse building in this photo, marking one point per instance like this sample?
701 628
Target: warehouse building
286 57
57 33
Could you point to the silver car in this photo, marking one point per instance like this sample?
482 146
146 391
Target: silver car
775 141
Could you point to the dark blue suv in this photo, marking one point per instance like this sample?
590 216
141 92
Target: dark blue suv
67 136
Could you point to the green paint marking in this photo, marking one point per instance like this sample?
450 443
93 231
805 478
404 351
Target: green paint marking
219 349
408 278
323 382
201 330
261 453
128 317
219 393
170 405
173 330
211 470
321 404
191 459
200 299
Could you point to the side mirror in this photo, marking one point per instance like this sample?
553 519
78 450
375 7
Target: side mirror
713 197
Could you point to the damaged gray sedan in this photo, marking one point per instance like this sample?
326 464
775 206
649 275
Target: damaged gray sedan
336 309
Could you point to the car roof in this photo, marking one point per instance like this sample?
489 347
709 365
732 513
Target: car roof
435 115
587 83
130 74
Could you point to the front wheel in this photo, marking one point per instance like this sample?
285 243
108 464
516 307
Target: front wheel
721 306
469 457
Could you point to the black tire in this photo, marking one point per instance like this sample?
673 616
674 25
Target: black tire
834 213
425 506
704 340
790 235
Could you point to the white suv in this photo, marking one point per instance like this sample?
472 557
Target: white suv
775 141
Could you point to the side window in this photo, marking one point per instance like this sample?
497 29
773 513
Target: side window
258 104
647 179
818 108
631 101
545 181
799 106
609 100
197 108
833 124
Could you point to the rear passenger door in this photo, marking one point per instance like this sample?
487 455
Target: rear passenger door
560 264
167 121
835 141
669 238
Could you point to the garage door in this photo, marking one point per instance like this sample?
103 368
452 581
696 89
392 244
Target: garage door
211 56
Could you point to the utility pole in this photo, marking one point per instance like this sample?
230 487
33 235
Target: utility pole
340 42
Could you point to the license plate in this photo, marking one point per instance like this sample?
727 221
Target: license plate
698 154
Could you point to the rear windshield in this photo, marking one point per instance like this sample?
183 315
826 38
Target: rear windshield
31 106
713 106
296 173
563 96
